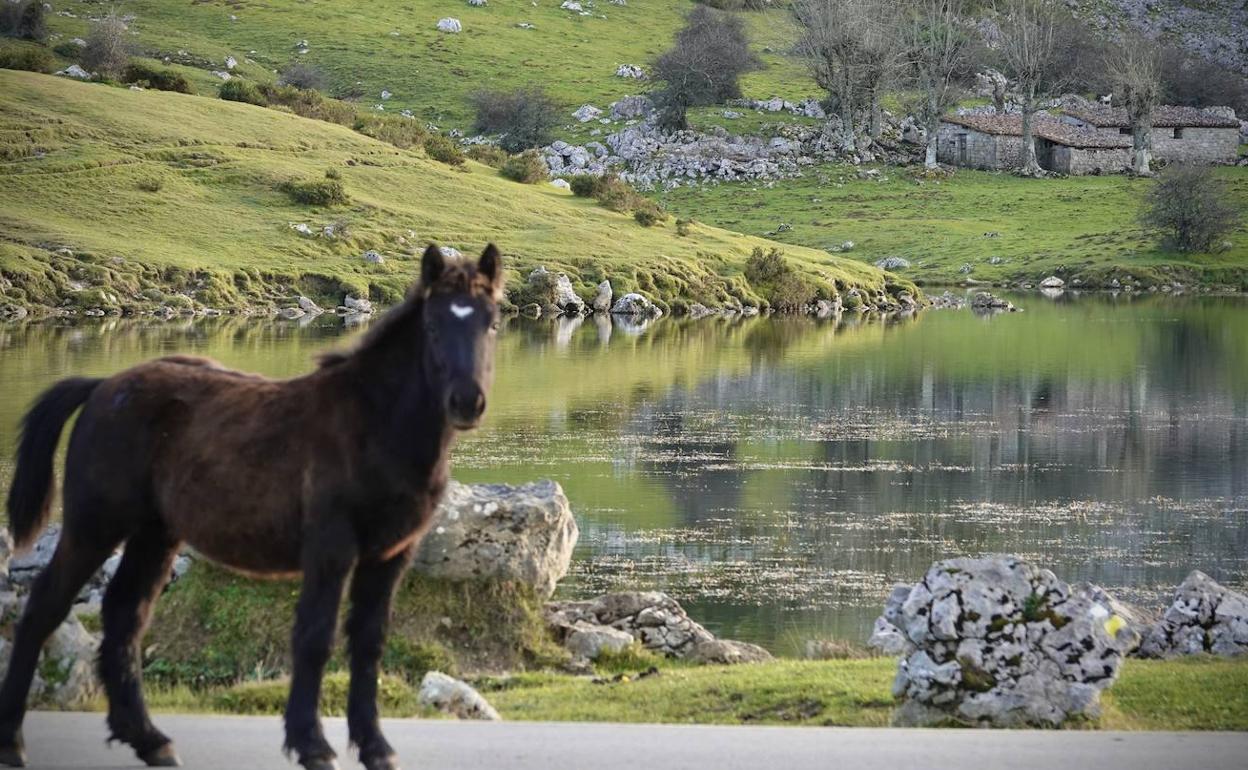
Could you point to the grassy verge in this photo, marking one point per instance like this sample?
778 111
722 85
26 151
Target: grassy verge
1191 694
115 199
979 225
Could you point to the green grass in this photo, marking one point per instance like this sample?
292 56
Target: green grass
1191 694
78 163
1084 226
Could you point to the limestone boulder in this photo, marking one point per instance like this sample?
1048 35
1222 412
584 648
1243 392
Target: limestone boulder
451 696
652 618
498 531
1000 642
1203 617
727 652
635 304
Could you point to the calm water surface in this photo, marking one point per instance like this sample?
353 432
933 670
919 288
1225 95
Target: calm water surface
778 475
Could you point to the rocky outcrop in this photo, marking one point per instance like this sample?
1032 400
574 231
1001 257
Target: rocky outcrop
588 641
553 292
1204 617
497 531
602 298
652 618
893 263
727 652
998 641
451 696
634 304
984 302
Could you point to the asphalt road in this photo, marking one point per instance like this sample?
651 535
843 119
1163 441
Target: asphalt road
57 740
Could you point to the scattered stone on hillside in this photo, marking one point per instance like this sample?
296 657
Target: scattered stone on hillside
985 302
947 300
450 252
1052 282
998 641
451 696
373 257
357 305
727 652
301 228
74 71
586 113
650 617
906 301
631 71
385 94
826 308
632 107
698 310
571 5
893 263
635 304
309 307
1204 617
562 184
450 25
478 3
230 62
522 533
589 640
602 298
78 42
222 74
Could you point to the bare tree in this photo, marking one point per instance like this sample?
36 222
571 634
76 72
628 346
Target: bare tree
852 51
108 47
1191 207
1030 52
704 66
1134 67
938 57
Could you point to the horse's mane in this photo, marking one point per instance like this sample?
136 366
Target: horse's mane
457 277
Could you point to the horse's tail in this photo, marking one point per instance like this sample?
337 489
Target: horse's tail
30 497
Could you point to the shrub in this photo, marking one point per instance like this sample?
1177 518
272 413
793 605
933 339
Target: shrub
151 185
317 192
108 48
444 150
333 173
526 168
488 154
616 194
1191 207
704 66
309 104
649 214
302 76
585 186
774 278
160 78
27 57
238 90
25 20
682 226
524 117
393 129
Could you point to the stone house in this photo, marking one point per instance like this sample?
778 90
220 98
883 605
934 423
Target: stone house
1180 134
996 142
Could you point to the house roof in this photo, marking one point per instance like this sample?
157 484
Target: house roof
1054 130
1166 116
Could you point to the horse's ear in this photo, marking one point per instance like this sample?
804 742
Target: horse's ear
491 265
432 266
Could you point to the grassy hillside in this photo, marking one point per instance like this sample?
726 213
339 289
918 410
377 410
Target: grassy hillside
1004 227
394 45
156 192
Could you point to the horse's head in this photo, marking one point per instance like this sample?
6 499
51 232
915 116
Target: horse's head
460 324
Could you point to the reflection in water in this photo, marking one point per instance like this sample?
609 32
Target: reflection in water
779 475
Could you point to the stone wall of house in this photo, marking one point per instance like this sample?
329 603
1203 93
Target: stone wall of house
982 150
1198 145
1078 161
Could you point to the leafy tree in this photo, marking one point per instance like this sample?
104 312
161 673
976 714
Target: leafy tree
704 66
1190 205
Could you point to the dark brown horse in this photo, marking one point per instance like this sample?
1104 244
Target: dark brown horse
329 474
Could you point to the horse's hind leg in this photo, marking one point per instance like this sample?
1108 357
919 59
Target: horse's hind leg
128 603
76 559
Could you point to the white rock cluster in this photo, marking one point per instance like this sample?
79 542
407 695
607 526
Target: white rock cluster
998 641
1204 617
450 25
501 532
630 71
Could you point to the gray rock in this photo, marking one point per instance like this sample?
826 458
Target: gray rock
589 640
290 313
357 305
586 113
450 25
1052 282
571 5
727 652
893 263
632 107
635 305
997 641
374 258
650 617
601 302
497 531
1204 617
451 696
554 292
631 71
309 307
69 665
6 554
74 71
984 302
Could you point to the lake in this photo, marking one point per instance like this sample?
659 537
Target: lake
778 475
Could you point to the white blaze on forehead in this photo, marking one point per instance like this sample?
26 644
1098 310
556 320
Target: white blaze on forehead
461 311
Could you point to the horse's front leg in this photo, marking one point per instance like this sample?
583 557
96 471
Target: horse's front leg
372 588
327 558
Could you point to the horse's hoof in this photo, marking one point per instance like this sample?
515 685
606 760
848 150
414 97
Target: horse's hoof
13 756
319 763
386 762
165 756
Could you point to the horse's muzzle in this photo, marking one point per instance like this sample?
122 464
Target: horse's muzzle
465 405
